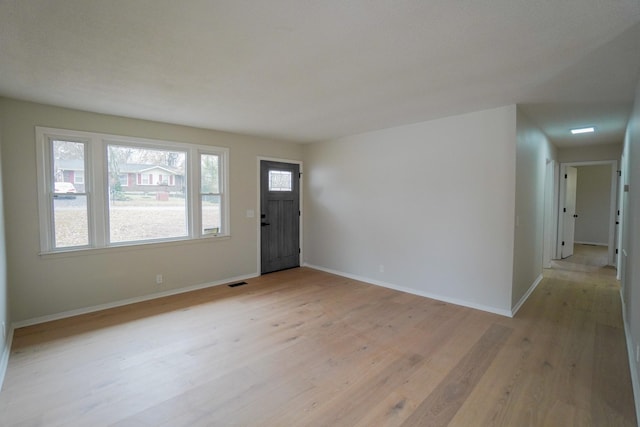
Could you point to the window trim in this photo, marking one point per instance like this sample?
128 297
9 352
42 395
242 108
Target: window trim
96 187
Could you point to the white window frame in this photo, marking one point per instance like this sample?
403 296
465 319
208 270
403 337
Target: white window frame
97 190
222 185
77 175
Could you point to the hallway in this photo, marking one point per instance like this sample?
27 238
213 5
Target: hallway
594 339
586 258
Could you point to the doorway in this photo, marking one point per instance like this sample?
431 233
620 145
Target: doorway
279 215
569 211
587 208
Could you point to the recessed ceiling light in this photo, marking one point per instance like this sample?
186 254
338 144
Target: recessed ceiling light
582 130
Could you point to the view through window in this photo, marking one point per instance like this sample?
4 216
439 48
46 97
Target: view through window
150 206
70 212
102 190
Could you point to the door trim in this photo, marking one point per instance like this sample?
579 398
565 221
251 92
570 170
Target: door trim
550 220
259 205
612 205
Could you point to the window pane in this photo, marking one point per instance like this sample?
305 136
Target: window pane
70 224
279 180
209 174
70 220
151 206
68 166
211 223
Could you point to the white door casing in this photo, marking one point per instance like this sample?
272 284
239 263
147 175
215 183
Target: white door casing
569 211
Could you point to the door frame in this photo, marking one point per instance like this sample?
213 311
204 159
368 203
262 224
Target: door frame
259 210
550 220
613 196
562 212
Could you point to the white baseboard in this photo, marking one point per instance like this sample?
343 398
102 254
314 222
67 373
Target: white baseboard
4 358
455 301
590 243
526 295
85 310
633 369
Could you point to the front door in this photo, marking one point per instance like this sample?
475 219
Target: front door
569 215
279 216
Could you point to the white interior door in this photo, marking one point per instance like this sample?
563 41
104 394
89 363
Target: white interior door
569 211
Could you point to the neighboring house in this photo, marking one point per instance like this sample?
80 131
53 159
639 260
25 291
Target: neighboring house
148 178
71 171
132 177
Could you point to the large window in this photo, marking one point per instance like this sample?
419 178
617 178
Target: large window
132 191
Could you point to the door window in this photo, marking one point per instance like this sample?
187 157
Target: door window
280 180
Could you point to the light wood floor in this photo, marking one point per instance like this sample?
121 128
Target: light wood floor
302 347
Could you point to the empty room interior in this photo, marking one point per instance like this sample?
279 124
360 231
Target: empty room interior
283 213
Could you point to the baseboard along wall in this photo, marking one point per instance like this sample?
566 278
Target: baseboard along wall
85 310
438 297
526 295
633 367
4 358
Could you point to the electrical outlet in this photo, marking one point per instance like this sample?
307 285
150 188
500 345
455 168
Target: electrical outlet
159 279
637 353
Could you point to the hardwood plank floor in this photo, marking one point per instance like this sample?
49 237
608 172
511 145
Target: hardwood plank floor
303 347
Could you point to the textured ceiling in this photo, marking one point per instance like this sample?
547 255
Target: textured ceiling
305 70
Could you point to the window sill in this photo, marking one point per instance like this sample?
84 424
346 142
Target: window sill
132 247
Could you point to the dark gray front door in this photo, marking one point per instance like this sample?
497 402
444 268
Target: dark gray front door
279 216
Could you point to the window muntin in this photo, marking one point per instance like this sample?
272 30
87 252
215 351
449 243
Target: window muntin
94 216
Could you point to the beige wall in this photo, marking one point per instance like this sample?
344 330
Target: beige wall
433 203
47 285
533 152
630 244
4 291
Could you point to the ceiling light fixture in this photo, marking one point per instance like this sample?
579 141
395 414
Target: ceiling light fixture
582 130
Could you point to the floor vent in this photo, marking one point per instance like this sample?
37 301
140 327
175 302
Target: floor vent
233 285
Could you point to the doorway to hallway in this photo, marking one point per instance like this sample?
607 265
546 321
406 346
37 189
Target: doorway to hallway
587 210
